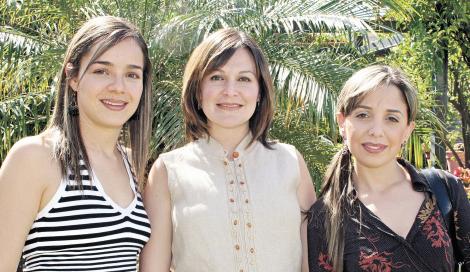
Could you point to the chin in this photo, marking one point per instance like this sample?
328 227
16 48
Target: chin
230 123
118 124
376 162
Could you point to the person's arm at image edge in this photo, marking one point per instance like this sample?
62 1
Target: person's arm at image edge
306 196
156 255
23 178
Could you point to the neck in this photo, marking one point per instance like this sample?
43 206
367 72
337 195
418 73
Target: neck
101 141
379 179
229 138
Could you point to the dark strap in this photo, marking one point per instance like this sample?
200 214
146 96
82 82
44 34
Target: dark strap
438 181
438 184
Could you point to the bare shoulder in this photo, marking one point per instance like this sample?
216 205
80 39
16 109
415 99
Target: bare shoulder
30 157
158 172
305 190
26 179
31 149
283 149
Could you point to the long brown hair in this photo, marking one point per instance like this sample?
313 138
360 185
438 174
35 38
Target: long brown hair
212 53
337 185
104 32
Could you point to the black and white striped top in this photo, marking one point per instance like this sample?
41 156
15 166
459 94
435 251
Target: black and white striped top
84 230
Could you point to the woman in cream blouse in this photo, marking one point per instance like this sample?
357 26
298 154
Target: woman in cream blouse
229 200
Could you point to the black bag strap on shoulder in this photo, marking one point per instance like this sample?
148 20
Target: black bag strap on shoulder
438 183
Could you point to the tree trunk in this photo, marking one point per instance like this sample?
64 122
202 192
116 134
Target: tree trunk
461 105
466 144
440 80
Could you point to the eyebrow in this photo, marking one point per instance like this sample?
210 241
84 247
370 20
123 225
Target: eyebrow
241 72
388 110
107 63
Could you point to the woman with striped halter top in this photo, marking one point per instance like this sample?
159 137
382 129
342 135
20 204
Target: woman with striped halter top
69 198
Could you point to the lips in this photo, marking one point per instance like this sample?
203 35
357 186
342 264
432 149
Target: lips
229 106
374 148
114 104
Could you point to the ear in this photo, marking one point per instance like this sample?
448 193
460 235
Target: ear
408 131
340 118
73 81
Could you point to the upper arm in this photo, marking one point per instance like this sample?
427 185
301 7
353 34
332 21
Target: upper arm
306 197
306 191
22 182
156 255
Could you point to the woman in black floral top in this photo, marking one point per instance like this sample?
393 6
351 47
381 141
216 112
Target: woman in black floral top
376 212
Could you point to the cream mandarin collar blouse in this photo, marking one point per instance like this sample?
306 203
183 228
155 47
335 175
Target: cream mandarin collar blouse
234 215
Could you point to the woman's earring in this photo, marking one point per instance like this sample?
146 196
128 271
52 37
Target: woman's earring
345 148
73 106
345 142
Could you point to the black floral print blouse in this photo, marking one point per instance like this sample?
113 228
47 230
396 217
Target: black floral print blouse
374 247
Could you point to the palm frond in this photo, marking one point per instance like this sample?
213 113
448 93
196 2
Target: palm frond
168 131
312 80
317 150
427 123
185 31
22 116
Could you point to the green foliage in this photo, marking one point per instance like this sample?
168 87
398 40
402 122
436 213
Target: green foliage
437 30
317 150
23 116
310 45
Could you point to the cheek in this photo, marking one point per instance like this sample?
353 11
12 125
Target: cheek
402 136
251 94
350 129
139 91
207 94
137 97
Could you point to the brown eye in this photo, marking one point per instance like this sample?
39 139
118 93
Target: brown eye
100 71
216 78
134 75
362 115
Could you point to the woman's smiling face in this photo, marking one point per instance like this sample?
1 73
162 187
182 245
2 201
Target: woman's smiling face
229 93
109 91
376 129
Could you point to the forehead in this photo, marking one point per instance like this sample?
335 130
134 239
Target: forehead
126 51
241 59
384 98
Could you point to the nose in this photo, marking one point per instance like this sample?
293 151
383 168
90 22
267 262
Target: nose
117 84
230 88
376 129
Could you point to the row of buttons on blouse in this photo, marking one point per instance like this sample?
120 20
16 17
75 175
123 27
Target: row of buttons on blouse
235 155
